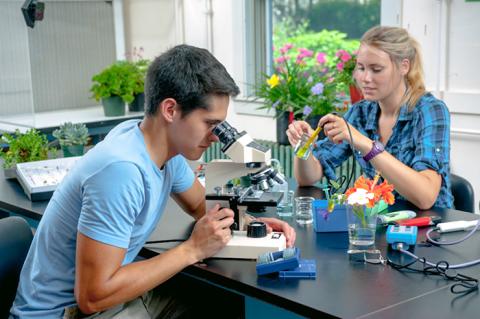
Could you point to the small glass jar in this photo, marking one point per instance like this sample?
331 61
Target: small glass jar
285 207
304 210
302 150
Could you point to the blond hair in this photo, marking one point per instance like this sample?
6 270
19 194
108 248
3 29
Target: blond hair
399 45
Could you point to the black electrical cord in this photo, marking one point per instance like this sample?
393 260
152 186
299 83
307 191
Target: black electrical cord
465 284
164 241
352 171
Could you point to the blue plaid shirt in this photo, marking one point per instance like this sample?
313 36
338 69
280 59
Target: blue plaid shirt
420 139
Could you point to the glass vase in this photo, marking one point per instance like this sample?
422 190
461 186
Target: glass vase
362 225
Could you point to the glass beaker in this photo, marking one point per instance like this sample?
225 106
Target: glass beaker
362 225
304 210
302 150
285 207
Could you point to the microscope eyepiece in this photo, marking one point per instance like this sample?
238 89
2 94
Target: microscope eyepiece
227 134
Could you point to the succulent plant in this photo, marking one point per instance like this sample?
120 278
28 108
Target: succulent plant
71 134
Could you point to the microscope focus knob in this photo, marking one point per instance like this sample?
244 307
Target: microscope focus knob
256 229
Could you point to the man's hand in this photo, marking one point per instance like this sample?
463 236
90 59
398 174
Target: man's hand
274 224
211 232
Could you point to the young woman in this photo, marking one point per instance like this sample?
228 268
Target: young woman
399 129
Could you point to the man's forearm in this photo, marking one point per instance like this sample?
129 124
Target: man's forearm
132 280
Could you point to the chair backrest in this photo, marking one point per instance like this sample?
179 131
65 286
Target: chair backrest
15 239
463 195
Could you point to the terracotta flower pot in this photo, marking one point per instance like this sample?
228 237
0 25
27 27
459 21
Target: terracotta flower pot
355 94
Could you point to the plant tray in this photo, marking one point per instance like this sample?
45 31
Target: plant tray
40 179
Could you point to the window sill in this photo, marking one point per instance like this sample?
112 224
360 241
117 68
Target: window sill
246 106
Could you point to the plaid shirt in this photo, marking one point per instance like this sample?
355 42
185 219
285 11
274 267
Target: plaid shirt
420 139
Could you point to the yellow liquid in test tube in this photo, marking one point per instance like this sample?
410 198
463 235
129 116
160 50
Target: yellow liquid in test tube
303 151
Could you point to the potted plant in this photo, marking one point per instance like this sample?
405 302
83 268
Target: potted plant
28 147
299 88
345 63
138 77
72 138
115 86
138 80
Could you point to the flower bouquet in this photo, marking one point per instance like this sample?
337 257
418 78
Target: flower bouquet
363 201
362 208
300 84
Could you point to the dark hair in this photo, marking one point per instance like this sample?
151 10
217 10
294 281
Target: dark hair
189 75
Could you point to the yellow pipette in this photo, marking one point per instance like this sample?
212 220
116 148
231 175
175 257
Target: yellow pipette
302 150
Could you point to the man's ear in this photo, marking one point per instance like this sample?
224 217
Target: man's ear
169 109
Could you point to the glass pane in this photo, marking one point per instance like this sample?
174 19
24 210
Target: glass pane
49 67
16 101
316 40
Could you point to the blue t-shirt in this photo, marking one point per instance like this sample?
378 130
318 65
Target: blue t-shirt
420 139
116 195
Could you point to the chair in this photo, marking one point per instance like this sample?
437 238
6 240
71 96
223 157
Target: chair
15 239
463 195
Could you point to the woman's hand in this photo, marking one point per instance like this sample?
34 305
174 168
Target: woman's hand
295 131
335 128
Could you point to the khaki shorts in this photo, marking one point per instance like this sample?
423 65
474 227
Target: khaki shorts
180 297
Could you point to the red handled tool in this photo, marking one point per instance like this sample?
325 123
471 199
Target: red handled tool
420 221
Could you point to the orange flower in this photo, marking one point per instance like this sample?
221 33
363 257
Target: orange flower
381 191
362 182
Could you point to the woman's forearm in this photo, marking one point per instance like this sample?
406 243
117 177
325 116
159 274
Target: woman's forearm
307 172
419 188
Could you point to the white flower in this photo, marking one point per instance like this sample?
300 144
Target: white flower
360 197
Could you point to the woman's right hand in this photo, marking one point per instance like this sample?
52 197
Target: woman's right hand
295 131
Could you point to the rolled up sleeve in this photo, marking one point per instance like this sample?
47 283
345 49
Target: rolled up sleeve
433 140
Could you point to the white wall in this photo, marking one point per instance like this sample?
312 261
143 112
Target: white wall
448 31
154 25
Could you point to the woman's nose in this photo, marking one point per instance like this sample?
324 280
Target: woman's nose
366 76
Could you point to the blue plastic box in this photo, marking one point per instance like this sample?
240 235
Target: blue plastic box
336 221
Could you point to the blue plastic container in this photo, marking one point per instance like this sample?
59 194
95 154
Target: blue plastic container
336 221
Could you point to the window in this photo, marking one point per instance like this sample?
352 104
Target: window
322 25
270 24
50 67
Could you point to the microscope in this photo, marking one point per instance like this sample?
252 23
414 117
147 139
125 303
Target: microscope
247 158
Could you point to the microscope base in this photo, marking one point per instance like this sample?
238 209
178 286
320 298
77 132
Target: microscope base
243 247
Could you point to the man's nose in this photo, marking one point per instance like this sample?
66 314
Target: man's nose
213 137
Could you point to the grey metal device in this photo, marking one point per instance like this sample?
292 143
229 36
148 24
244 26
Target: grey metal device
33 10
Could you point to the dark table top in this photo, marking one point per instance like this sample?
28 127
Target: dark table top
342 288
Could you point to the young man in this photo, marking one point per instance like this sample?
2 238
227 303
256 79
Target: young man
80 261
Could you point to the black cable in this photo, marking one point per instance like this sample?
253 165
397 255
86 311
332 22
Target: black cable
352 171
164 241
441 268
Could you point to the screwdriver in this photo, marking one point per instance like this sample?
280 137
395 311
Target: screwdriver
420 221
